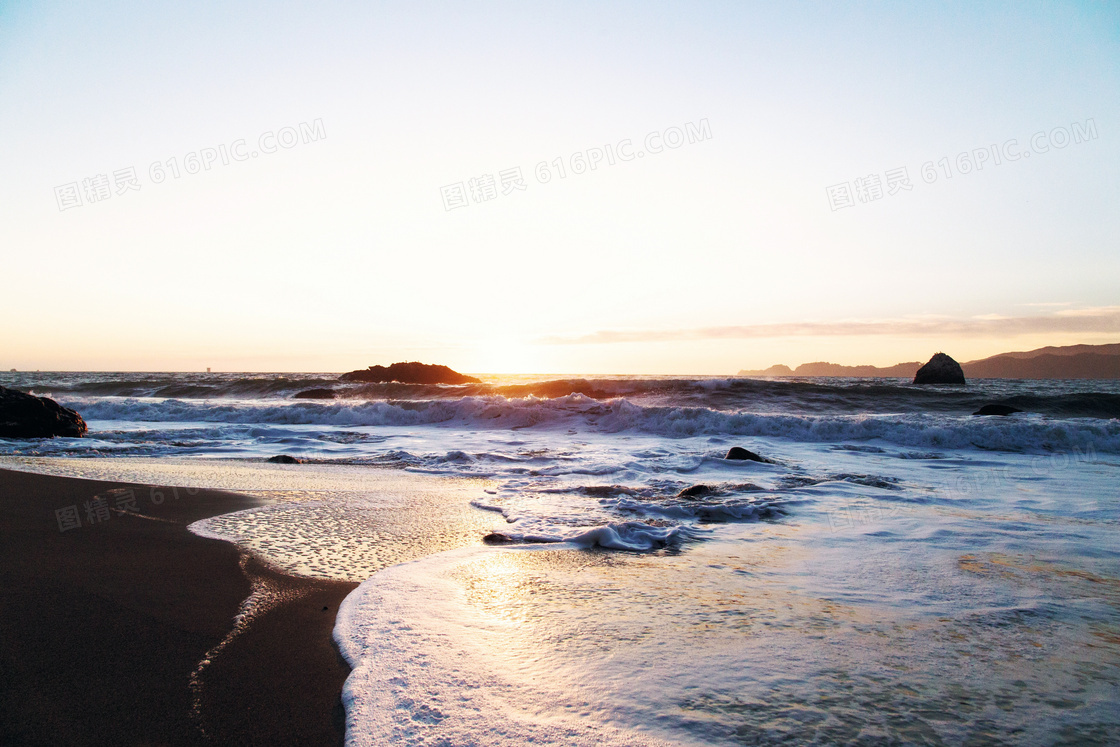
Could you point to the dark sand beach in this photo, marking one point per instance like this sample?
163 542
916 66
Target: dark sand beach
103 626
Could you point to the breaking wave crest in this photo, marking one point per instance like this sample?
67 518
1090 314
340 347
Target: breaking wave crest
1098 399
585 414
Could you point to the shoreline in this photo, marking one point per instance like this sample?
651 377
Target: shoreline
111 605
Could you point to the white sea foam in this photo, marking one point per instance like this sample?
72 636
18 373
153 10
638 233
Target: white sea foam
791 635
635 536
430 669
925 430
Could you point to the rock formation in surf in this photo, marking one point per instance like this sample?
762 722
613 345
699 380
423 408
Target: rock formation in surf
941 369
27 416
696 491
314 394
997 410
740 454
409 373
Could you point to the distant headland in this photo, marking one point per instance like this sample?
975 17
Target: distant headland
1068 362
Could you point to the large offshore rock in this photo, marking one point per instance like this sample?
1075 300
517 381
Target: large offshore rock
409 373
941 369
27 416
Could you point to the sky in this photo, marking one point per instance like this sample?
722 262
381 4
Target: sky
322 187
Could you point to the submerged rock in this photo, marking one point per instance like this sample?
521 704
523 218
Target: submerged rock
409 373
997 410
315 394
941 369
696 491
27 416
284 459
741 454
497 538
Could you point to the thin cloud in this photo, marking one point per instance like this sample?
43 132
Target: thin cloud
1097 320
1097 311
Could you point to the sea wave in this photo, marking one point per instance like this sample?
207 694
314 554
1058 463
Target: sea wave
190 386
585 414
634 536
1099 399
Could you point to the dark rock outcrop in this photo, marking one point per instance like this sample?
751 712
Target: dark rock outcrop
314 394
27 416
409 373
941 369
497 538
284 459
696 491
997 410
741 454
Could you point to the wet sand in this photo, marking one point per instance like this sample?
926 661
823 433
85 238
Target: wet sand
103 626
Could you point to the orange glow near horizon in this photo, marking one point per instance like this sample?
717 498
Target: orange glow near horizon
509 355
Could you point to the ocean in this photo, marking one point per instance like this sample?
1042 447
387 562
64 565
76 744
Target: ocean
897 570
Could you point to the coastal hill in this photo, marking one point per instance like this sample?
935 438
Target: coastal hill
1069 362
821 368
1049 363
